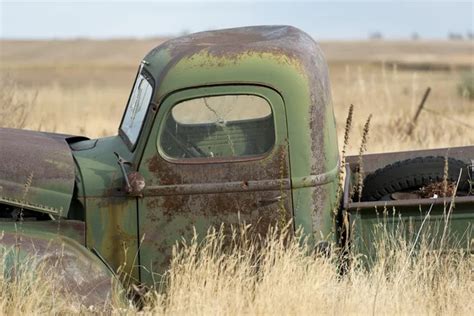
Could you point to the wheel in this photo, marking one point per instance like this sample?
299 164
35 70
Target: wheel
412 174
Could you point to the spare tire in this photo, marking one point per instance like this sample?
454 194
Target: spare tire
412 174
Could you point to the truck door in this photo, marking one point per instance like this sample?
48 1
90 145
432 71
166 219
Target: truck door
214 155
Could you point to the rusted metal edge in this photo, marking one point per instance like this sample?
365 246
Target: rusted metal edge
226 187
201 160
315 180
243 186
30 206
347 186
410 202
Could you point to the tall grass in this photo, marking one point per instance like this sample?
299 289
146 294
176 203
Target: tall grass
31 288
281 275
392 96
466 84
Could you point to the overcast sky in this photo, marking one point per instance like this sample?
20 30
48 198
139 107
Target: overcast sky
323 20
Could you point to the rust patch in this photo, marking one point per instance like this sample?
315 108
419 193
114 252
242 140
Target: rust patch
231 43
285 44
162 171
184 197
204 178
44 158
24 152
270 168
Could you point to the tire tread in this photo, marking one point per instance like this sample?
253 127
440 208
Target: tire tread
412 174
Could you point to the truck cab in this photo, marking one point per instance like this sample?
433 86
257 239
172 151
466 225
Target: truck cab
233 127
223 127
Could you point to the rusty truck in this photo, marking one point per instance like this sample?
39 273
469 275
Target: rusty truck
225 126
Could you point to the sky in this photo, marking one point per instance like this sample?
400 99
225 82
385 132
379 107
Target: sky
322 19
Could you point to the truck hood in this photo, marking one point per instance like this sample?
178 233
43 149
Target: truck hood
37 170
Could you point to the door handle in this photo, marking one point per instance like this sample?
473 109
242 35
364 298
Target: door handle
264 202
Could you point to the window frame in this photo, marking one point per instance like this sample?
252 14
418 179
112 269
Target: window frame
258 91
141 71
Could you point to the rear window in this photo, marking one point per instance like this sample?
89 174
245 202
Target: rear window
219 127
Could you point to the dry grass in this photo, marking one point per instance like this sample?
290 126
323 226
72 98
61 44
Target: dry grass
392 96
284 278
15 106
233 276
81 87
85 110
31 289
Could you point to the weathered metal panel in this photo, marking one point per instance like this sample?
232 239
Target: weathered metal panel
111 215
180 197
112 232
414 224
285 59
36 170
410 219
166 219
75 269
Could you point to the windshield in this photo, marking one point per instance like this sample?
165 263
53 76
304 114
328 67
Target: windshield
137 108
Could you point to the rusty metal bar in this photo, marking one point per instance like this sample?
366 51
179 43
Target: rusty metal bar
410 202
209 188
347 186
315 180
243 186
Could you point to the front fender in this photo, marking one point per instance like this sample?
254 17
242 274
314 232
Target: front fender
77 270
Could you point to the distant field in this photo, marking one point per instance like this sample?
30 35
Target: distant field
81 86
126 51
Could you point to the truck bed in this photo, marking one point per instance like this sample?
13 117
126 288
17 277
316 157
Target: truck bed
409 218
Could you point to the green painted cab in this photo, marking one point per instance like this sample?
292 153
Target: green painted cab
223 127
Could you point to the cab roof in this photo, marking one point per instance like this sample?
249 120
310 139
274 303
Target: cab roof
233 47
232 42
282 58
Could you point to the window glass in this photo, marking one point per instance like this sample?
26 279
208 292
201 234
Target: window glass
219 126
137 108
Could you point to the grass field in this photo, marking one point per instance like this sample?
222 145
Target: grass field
279 278
81 87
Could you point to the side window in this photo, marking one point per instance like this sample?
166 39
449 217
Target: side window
218 126
137 108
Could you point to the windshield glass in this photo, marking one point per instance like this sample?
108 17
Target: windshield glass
136 109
